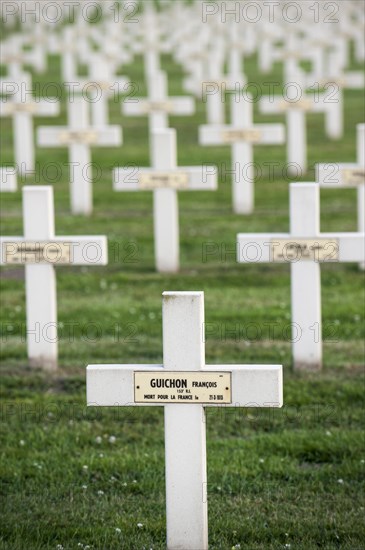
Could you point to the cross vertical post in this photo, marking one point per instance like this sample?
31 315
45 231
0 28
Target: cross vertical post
306 309
23 139
185 447
360 149
297 140
242 157
40 280
80 158
165 204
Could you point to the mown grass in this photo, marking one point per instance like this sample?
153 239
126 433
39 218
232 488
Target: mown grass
289 478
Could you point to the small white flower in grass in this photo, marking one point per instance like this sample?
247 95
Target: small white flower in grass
100 493
112 439
139 525
101 455
87 547
98 439
84 487
22 442
124 484
59 547
340 481
85 467
287 546
362 461
134 481
261 460
328 433
118 531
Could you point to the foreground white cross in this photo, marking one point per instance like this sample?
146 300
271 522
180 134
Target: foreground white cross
40 251
79 137
158 105
165 179
347 175
8 181
185 385
22 111
304 248
242 135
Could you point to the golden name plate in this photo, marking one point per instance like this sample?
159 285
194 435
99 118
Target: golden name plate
356 176
302 104
170 180
12 108
182 387
150 106
37 252
318 250
88 137
231 136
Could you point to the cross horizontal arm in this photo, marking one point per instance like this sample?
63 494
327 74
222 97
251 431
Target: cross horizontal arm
173 105
252 385
85 250
35 108
263 134
8 179
116 85
340 175
62 136
336 247
277 105
184 177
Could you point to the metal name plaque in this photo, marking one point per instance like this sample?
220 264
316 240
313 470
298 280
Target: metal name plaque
13 107
230 136
171 180
318 250
150 106
88 137
353 177
182 387
37 252
302 104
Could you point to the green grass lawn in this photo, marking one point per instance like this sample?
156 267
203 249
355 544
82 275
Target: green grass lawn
74 477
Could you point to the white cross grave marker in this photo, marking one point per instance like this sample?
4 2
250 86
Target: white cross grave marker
158 105
8 181
304 247
242 134
79 137
347 175
165 179
295 112
185 385
22 111
102 84
335 84
40 251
